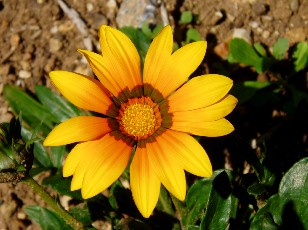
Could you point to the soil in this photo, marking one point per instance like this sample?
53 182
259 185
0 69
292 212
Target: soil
37 36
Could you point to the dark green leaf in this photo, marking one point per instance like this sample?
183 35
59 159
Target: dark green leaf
256 189
289 206
48 220
300 56
33 113
219 208
58 106
280 48
244 91
244 53
57 156
62 185
186 17
82 214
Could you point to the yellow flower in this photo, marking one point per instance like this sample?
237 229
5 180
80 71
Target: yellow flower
155 112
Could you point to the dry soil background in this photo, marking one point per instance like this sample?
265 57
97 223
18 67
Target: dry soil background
38 36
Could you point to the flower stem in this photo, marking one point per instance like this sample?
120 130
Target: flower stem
69 219
181 211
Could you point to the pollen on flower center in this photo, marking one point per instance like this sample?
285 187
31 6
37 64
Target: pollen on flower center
138 118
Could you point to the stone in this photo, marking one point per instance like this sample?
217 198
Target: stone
242 33
24 74
55 45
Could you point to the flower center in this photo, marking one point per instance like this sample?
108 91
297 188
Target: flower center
139 118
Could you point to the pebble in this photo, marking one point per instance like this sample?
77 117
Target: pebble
14 41
294 5
55 45
25 65
112 8
265 34
90 7
242 33
24 74
254 24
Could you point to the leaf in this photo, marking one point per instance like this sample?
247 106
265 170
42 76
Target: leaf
260 49
280 48
300 56
57 156
289 206
186 17
220 205
245 54
82 214
193 35
62 185
57 105
33 113
206 199
244 91
48 220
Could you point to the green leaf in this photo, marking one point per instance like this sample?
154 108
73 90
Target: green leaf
41 156
300 56
48 220
260 49
57 156
193 35
57 105
33 113
62 185
186 17
289 206
280 48
82 214
244 53
219 208
244 91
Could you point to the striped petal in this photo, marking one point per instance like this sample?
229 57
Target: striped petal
179 67
167 169
210 113
159 52
83 128
109 158
84 92
187 151
200 92
145 185
124 60
216 128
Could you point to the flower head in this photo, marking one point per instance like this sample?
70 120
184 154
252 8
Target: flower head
155 112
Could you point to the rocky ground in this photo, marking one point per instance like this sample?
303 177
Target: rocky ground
38 36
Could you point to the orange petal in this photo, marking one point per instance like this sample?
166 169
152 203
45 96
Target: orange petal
84 92
216 128
167 169
159 52
109 157
187 151
200 92
145 185
83 128
210 113
179 67
123 58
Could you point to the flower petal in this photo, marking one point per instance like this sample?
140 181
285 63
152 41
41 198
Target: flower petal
167 169
83 128
123 57
109 157
82 91
216 128
200 92
187 151
158 53
210 113
145 185
179 67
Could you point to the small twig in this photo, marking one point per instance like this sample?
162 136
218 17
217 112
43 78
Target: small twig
79 23
164 14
